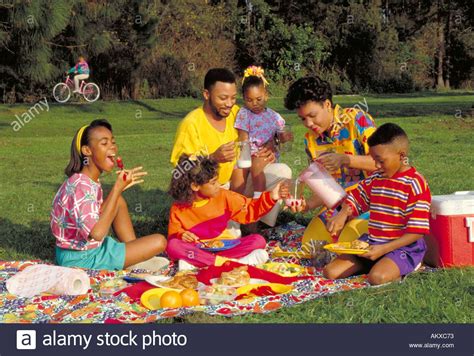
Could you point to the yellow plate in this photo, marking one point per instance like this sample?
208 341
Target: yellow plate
151 298
344 248
274 267
276 287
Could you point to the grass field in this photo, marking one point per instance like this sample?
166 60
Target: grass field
32 161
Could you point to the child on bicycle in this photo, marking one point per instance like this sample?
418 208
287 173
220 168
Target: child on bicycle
81 69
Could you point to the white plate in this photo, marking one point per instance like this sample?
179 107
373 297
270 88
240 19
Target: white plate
155 264
158 280
252 281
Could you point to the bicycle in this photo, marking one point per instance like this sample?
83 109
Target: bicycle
62 91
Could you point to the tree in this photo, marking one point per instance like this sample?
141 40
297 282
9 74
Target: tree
28 29
285 50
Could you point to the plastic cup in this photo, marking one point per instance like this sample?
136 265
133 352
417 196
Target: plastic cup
245 159
296 192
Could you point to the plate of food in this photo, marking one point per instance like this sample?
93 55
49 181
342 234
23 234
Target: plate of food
351 248
235 278
178 282
218 245
283 269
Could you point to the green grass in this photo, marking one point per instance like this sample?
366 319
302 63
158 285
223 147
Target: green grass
32 162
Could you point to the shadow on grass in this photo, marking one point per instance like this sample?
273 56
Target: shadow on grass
143 104
75 106
34 240
161 114
167 115
149 209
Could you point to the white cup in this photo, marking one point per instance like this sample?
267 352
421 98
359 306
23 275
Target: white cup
245 157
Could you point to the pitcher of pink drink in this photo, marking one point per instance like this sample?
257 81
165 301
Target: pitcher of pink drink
318 179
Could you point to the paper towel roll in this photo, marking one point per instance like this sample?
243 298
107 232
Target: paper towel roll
37 279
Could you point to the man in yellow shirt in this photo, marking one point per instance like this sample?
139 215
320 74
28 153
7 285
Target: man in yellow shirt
209 130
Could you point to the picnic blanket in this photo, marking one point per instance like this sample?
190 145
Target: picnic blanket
94 308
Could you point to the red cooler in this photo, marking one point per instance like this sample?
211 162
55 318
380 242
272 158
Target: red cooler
451 239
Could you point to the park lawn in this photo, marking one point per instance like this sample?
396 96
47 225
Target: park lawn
32 161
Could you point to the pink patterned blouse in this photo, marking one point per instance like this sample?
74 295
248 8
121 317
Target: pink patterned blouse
260 127
75 211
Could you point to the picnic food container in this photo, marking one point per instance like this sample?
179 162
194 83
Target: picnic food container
213 295
451 239
318 179
109 287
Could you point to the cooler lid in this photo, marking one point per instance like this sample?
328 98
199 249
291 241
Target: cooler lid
459 203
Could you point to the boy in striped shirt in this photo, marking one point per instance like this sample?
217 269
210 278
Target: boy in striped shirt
398 199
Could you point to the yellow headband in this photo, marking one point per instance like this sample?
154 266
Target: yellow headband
79 138
255 71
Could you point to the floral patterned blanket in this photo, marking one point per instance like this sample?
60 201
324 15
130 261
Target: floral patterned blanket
94 308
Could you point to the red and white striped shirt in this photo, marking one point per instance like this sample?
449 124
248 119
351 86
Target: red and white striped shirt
398 205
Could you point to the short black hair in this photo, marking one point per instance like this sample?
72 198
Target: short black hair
386 134
191 169
76 160
311 88
218 75
251 81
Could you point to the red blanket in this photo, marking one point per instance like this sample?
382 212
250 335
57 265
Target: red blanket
136 290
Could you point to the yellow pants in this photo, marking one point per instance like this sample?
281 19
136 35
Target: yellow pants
316 230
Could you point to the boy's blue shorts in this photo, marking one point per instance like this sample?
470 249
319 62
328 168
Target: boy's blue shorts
110 255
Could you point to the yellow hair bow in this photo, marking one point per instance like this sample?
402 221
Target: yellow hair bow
255 71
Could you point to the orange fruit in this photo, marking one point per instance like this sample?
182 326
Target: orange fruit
171 299
190 297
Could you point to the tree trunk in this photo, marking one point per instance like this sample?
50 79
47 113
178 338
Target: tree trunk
448 48
135 83
441 50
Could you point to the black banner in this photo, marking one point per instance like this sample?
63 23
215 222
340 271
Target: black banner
231 339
